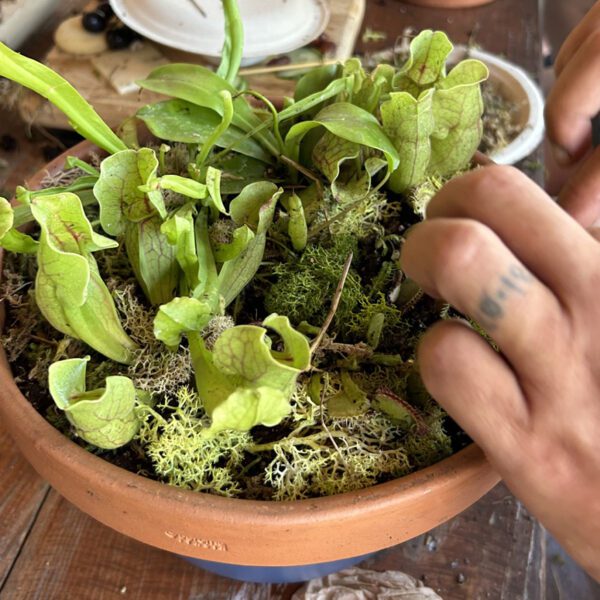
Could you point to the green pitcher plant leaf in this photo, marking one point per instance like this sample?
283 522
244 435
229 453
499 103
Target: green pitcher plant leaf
213 184
233 47
12 239
184 186
344 165
74 162
132 205
179 231
350 123
82 186
202 87
44 81
245 207
180 121
331 152
433 119
153 259
409 122
297 227
367 89
105 417
178 317
457 110
236 274
68 288
315 80
243 382
426 63
358 183
240 238
118 189
208 287
245 408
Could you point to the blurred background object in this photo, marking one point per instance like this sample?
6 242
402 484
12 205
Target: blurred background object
20 18
559 18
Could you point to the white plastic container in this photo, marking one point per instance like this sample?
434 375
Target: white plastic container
518 87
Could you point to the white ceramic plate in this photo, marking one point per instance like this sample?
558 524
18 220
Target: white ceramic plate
271 26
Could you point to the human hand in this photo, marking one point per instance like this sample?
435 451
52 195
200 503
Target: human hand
498 249
574 168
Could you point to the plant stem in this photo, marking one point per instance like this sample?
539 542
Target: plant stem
274 115
332 90
218 131
233 47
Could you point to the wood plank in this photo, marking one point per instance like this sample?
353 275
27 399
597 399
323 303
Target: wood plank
22 492
70 555
511 28
486 552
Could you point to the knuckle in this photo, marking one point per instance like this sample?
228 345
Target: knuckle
436 352
491 182
460 248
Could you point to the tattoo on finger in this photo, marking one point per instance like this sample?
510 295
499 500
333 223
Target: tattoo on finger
492 306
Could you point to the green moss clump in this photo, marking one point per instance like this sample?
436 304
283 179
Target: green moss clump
358 219
392 330
305 287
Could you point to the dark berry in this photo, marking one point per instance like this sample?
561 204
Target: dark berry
119 38
94 22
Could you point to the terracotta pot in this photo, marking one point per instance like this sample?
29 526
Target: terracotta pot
449 3
240 532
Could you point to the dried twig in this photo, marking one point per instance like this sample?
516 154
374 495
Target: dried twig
266 70
334 304
306 172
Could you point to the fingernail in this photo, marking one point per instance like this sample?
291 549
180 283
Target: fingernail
561 156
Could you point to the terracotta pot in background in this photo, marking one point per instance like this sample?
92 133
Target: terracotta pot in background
449 3
242 532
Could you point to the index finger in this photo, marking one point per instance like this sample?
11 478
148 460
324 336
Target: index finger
547 240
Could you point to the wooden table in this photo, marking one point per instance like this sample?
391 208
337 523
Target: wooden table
495 550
